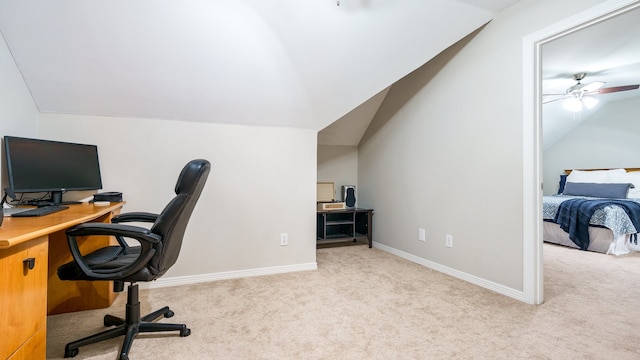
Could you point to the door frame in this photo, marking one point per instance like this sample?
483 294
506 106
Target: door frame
533 277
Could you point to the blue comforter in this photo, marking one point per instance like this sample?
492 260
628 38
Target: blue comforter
574 215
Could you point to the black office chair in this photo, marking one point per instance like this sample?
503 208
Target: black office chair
157 251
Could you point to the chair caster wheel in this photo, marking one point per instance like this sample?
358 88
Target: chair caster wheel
185 332
71 353
110 320
169 314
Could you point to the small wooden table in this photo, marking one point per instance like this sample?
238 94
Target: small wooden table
31 250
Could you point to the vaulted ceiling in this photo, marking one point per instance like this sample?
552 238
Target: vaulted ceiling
259 62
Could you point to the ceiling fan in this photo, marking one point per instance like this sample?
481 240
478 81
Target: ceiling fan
582 94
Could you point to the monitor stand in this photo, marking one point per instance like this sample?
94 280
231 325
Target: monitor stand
56 197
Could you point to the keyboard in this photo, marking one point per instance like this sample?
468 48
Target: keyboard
40 211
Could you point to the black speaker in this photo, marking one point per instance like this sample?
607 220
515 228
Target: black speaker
349 195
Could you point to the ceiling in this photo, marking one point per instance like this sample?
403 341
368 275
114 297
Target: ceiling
607 51
273 63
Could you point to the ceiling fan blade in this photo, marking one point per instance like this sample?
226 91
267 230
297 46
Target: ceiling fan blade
546 101
617 88
592 86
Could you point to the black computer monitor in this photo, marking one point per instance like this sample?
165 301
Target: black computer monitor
35 165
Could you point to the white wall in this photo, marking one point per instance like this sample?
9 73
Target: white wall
18 113
607 139
445 152
262 183
338 164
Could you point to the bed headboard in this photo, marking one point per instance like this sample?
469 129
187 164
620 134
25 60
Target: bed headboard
628 170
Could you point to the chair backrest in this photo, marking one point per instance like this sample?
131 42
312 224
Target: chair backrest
172 221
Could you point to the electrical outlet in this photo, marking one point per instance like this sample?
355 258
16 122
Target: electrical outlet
421 235
448 240
284 239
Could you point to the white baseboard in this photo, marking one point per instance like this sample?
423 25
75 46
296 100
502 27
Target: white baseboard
194 279
500 289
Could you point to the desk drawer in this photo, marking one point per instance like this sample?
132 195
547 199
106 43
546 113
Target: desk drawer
34 349
23 292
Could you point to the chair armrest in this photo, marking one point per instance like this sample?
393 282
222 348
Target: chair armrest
115 230
143 217
135 217
144 236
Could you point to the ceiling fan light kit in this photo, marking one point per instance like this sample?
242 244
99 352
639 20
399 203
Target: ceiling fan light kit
572 104
589 101
575 103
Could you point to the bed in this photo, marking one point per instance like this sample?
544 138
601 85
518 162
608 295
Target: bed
612 197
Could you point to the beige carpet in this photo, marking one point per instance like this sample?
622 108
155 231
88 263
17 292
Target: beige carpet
364 303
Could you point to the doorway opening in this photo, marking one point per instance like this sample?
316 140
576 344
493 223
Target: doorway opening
533 282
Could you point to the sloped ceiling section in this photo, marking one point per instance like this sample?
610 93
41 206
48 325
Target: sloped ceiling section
349 129
274 63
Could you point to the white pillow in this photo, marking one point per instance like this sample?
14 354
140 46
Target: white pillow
616 176
634 178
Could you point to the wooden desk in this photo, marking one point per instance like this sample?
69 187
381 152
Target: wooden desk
31 250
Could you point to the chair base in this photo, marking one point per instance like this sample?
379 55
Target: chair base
130 326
